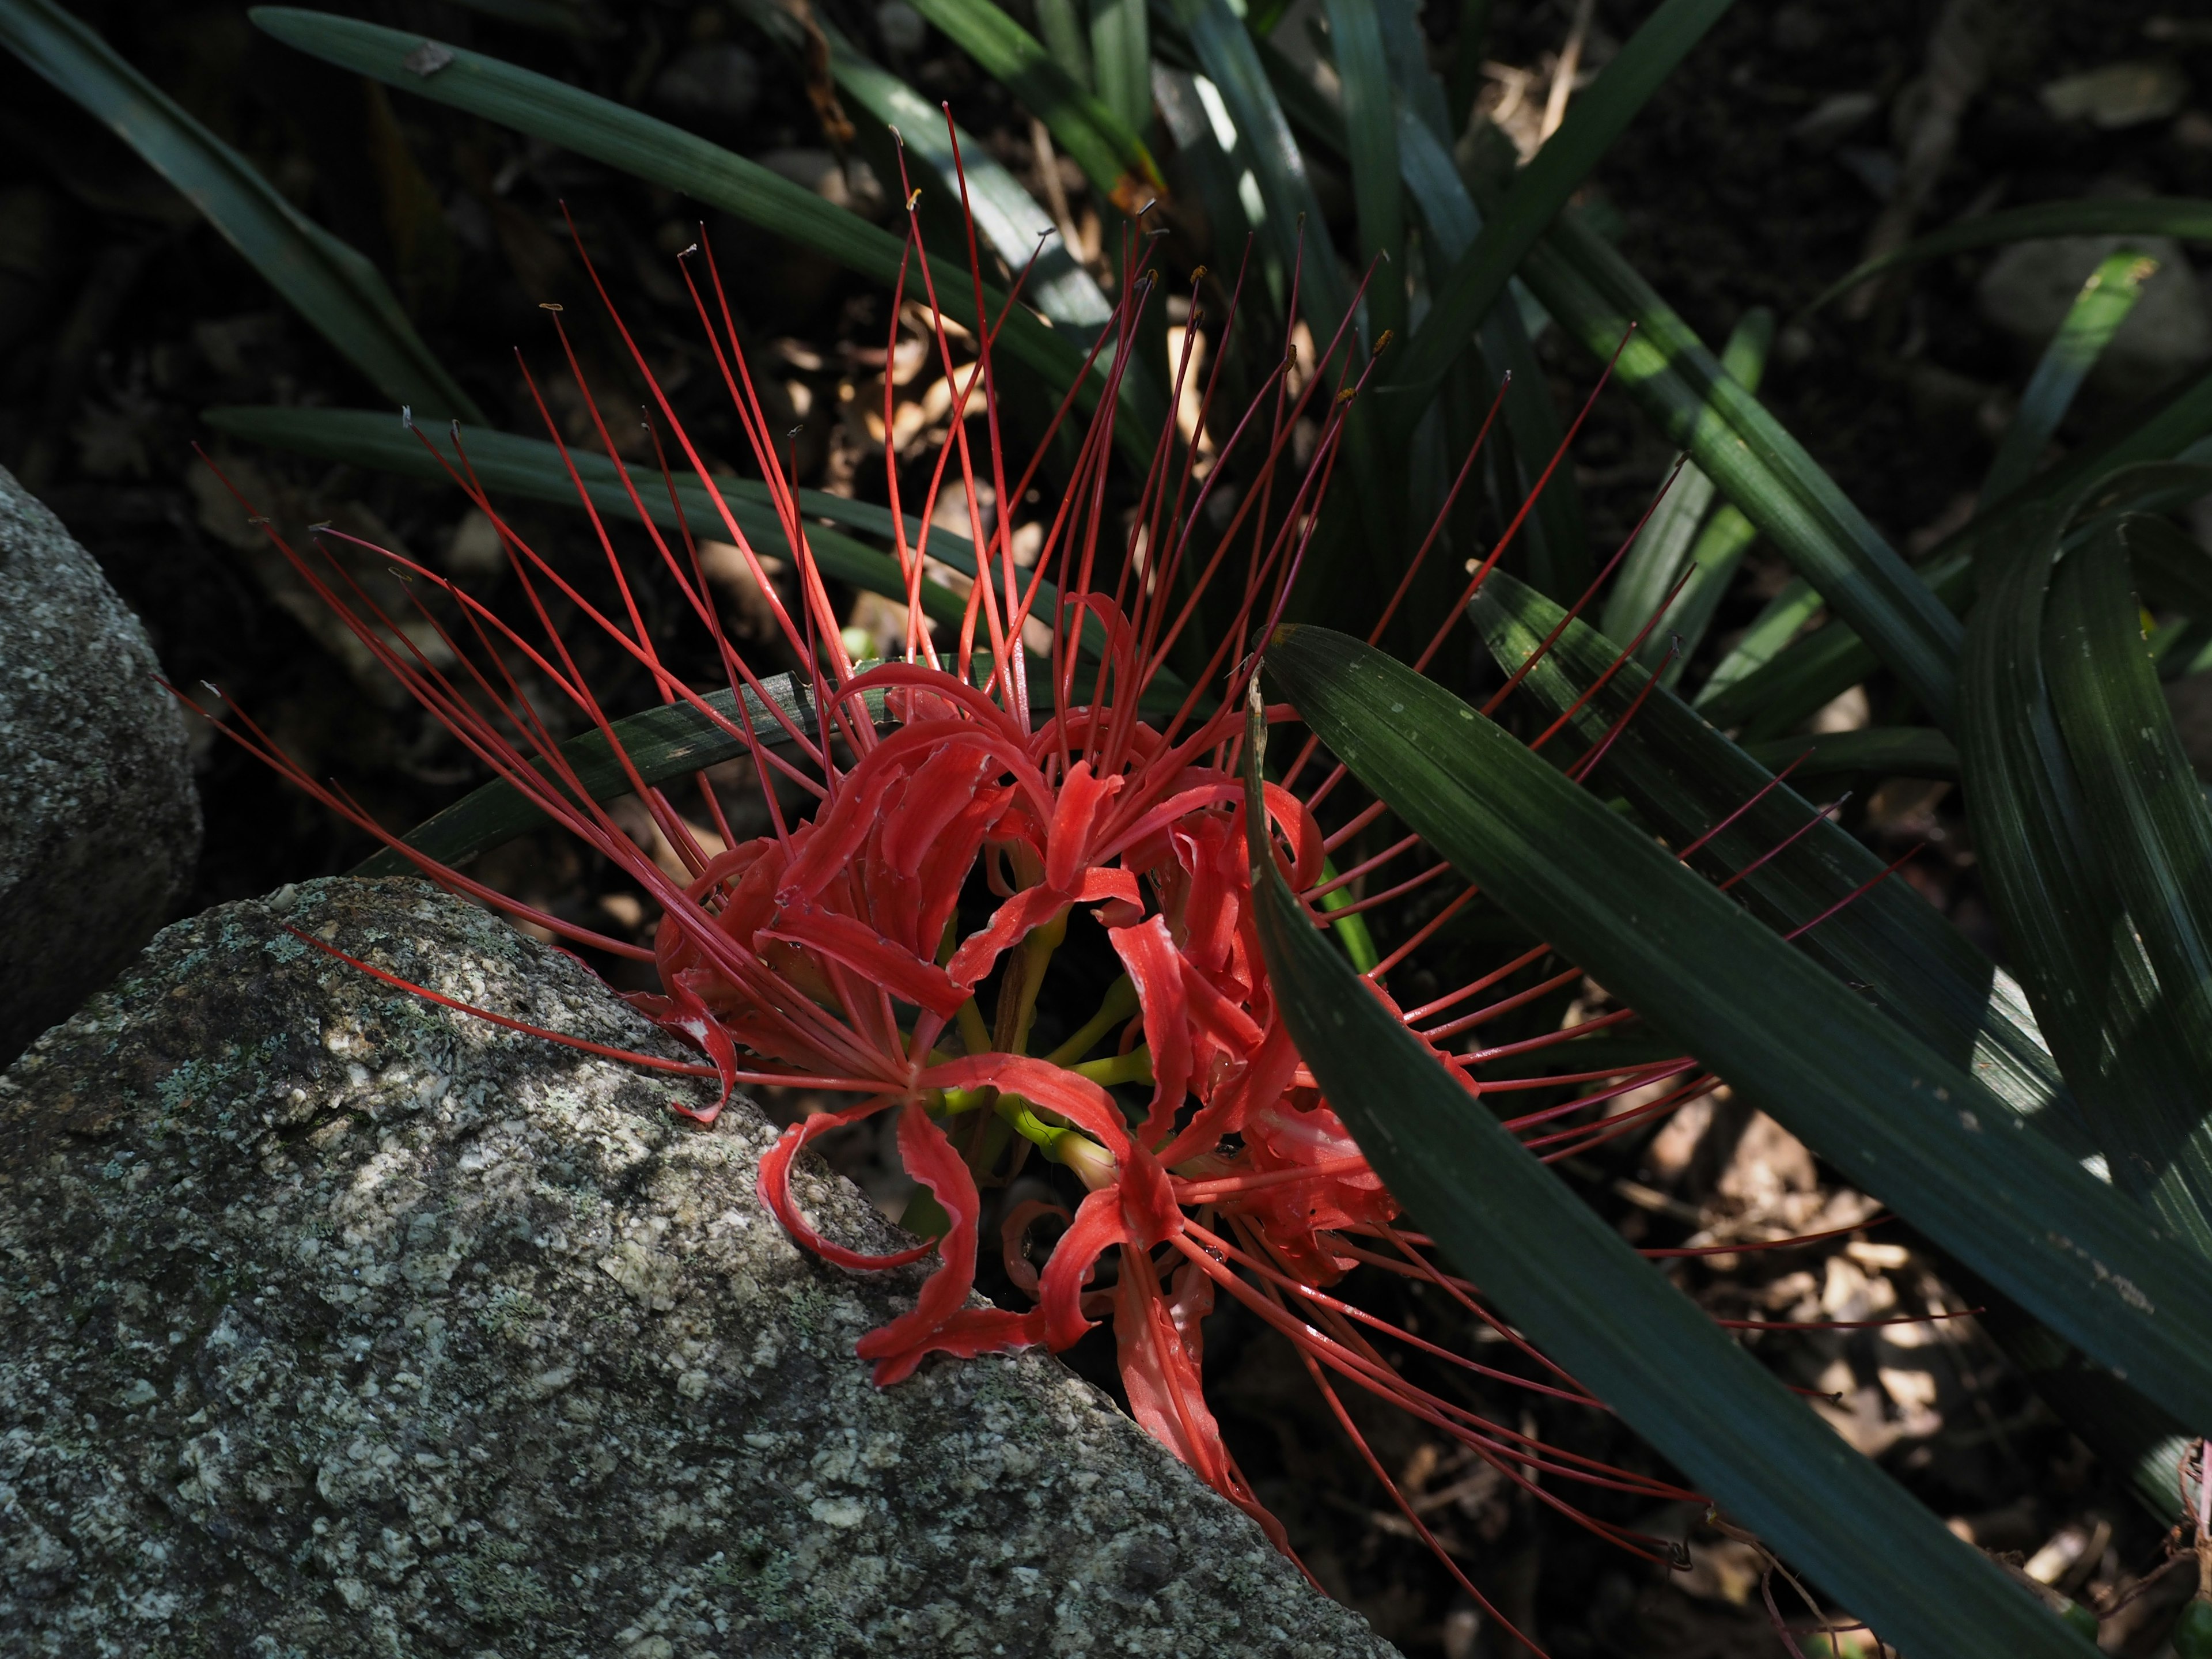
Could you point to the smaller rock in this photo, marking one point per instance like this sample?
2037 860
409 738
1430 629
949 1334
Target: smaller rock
2029 287
715 82
100 822
902 27
851 184
1834 119
2119 94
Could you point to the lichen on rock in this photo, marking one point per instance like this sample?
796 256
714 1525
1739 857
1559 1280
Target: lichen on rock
339 1323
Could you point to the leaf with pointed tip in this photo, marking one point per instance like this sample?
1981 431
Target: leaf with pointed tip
1566 1278
326 281
1896 1117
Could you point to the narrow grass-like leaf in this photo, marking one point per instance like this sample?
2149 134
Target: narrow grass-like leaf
2050 879
2145 810
1532 420
2181 218
2090 322
1684 778
1464 296
1682 389
1896 1118
1121 59
1715 557
327 282
1007 217
1569 1282
1662 551
1371 124
1908 751
1100 141
651 149
1294 222
1067 38
1773 629
531 468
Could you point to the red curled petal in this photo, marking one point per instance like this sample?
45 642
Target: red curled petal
1009 924
1267 1076
773 1186
1098 1227
940 1322
861 948
1156 970
1077 1098
1081 798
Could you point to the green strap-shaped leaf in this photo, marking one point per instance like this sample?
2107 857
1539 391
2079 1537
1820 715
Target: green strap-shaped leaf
1777 624
2148 822
1682 389
1909 752
1294 222
1067 39
1464 296
1800 679
2181 218
1715 557
652 150
2090 322
1101 142
1371 124
1566 1278
1006 216
1661 552
1532 420
327 282
1898 1119
532 467
1121 59
2095 994
1685 778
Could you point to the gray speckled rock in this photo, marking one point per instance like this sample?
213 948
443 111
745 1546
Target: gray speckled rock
100 824
338 1323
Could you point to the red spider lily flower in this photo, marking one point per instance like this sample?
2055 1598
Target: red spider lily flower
843 952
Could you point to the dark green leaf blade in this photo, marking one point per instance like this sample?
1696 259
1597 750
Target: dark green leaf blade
1575 1287
1896 1118
2148 824
327 282
1685 778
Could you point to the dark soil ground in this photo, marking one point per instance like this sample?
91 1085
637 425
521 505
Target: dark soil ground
123 317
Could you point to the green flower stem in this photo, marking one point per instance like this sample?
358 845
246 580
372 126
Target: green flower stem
1120 1004
1135 1066
1351 929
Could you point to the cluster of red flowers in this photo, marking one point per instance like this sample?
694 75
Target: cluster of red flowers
833 955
